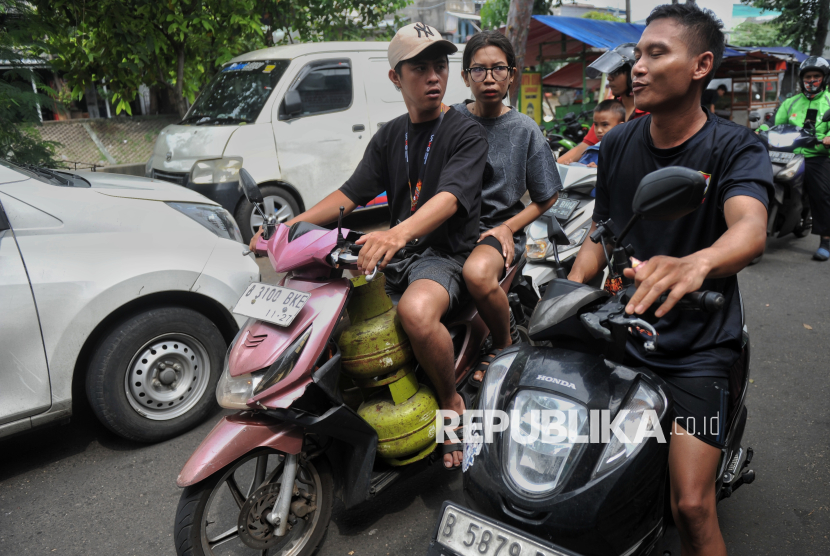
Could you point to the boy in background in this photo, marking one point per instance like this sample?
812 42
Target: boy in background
607 114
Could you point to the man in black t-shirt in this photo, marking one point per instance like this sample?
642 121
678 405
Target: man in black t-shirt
710 97
677 55
430 161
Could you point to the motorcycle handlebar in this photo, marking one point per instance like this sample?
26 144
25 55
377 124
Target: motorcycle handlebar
400 254
707 301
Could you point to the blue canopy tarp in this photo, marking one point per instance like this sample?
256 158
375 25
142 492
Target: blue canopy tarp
772 50
577 34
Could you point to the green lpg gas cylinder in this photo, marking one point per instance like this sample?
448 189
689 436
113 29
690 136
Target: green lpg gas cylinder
375 344
406 431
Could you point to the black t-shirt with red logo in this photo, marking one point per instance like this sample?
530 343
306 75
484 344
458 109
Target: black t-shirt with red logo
735 163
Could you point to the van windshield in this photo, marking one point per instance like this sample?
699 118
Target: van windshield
237 94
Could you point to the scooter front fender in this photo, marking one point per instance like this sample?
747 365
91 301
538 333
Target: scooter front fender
234 436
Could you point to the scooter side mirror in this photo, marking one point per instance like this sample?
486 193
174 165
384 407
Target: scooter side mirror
669 193
826 117
249 188
556 234
757 117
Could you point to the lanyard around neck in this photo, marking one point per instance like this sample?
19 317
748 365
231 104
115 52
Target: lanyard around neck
415 195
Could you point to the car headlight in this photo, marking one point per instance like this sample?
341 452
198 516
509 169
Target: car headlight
537 245
219 170
645 399
543 430
216 219
233 392
788 171
148 168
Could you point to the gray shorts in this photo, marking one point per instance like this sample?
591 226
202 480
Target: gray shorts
428 265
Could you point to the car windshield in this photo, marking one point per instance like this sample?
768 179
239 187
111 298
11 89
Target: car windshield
237 94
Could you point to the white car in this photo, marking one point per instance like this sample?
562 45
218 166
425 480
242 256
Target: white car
118 287
297 117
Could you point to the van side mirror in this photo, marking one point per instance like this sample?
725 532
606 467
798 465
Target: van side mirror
293 103
826 117
249 188
669 193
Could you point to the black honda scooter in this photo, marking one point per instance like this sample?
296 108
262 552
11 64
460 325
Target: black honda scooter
588 492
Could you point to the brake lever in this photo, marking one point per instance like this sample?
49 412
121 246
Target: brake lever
372 276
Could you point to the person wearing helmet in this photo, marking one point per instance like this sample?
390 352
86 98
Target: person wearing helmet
617 64
812 77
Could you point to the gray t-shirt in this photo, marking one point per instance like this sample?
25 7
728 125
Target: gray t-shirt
522 161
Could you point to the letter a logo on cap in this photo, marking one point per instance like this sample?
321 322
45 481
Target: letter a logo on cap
427 31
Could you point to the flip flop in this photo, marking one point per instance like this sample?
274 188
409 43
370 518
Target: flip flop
455 446
483 365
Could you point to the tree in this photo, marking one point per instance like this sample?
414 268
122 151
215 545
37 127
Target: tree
494 12
178 45
19 140
757 34
335 20
803 23
518 25
602 16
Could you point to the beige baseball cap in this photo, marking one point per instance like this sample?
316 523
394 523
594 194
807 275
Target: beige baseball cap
413 39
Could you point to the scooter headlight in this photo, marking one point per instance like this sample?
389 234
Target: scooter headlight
543 430
779 140
788 171
537 245
233 392
493 379
646 403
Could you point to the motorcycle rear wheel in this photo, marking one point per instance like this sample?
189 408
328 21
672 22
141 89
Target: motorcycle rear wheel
208 521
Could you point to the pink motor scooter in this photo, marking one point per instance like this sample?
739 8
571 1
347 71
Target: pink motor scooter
282 372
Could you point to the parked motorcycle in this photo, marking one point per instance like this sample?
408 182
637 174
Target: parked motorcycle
583 492
574 210
329 396
565 134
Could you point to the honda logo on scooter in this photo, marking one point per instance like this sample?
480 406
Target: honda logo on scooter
560 382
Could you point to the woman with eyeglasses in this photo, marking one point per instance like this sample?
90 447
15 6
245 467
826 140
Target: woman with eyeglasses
521 161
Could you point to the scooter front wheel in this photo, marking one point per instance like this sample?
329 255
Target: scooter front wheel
225 514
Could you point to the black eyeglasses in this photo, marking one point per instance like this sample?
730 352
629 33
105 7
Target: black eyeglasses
499 73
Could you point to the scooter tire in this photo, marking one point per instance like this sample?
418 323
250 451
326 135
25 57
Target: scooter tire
191 539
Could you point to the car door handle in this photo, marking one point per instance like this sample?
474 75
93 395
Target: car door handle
358 127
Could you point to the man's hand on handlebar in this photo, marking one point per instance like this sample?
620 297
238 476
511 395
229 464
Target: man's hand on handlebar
659 274
826 141
378 249
255 239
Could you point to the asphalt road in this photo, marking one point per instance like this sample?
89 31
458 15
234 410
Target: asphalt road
77 489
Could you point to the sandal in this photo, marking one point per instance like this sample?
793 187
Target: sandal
455 446
483 365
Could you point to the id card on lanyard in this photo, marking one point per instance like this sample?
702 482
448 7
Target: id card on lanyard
414 194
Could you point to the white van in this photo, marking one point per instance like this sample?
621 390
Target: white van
297 117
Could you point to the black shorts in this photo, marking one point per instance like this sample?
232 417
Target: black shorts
700 406
496 244
428 265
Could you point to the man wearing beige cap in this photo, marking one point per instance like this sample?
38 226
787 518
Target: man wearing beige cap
430 162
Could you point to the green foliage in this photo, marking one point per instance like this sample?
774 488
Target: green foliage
802 23
603 16
19 140
494 12
757 34
335 20
176 44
